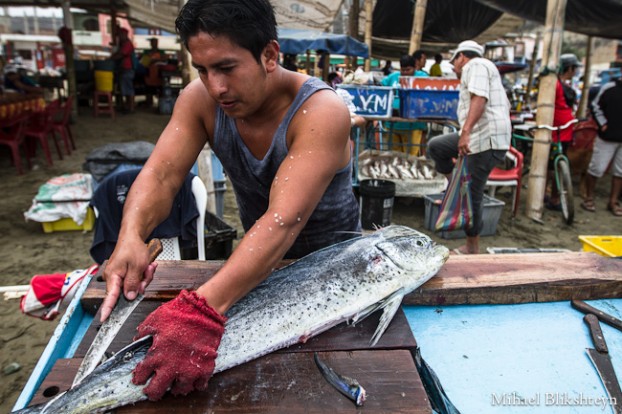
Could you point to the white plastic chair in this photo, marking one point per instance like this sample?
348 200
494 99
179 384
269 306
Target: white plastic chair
170 247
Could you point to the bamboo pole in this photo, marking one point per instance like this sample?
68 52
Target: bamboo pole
582 109
417 30
532 66
369 11
69 63
553 30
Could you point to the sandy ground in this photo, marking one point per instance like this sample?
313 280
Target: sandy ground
26 250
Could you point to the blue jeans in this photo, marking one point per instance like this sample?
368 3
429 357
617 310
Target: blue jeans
442 149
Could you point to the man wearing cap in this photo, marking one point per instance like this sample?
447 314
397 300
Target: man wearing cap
565 100
151 60
126 66
485 129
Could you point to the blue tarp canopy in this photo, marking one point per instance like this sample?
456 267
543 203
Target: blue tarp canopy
297 41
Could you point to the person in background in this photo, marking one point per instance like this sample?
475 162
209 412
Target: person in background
15 80
400 132
289 62
565 100
150 62
607 110
485 129
283 139
420 60
387 69
435 69
126 67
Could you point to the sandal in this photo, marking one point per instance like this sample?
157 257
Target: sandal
615 209
588 205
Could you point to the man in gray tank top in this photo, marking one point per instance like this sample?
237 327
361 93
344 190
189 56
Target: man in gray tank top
283 139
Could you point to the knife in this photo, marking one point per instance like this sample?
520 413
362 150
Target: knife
602 316
601 360
109 329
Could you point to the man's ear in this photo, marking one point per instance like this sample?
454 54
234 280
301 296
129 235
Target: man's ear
270 55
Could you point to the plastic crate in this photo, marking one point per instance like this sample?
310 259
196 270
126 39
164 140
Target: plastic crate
610 246
423 103
491 215
219 238
67 224
220 187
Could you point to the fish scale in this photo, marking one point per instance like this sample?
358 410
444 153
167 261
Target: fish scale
346 281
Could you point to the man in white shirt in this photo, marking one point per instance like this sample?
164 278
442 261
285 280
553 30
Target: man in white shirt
485 129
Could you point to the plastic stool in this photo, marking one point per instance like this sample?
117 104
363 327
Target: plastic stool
104 109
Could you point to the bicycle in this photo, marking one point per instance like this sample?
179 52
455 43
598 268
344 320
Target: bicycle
561 164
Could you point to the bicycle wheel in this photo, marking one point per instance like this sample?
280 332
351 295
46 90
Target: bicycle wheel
564 183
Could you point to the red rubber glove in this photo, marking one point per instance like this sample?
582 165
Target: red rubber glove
186 333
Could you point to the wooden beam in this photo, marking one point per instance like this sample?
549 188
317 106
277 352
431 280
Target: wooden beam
582 109
369 11
417 30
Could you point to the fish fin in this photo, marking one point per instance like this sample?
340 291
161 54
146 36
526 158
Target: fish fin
390 305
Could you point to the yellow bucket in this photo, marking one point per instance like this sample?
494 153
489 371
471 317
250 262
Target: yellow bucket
103 80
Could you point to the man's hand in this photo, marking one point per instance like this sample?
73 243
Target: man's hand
131 269
186 334
463 143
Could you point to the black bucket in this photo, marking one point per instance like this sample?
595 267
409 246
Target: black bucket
376 203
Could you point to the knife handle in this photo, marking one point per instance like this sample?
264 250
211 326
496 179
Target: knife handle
155 248
602 316
596 333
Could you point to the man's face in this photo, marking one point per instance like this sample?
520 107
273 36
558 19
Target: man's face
407 70
459 63
422 60
230 73
154 43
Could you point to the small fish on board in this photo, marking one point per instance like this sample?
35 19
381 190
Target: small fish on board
347 281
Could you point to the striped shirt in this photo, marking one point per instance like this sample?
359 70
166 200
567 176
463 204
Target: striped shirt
493 130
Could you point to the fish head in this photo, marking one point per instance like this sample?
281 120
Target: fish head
412 253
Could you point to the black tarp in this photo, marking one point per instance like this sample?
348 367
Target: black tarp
451 21
601 18
446 21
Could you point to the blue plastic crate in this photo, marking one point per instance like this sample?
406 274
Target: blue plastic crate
423 103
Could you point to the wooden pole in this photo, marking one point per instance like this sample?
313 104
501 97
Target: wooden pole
69 63
369 11
553 30
532 66
188 73
582 109
417 31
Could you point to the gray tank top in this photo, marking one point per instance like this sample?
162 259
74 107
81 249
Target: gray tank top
336 217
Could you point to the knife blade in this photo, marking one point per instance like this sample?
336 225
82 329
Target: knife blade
109 329
602 316
601 360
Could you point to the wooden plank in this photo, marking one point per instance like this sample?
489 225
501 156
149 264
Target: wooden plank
286 383
467 279
340 338
521 278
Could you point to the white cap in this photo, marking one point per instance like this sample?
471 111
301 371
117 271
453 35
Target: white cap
468 45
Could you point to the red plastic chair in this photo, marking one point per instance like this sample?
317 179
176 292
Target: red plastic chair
41 126
61 125
508 178
12 135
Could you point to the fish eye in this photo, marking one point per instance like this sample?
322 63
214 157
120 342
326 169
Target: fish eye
420 243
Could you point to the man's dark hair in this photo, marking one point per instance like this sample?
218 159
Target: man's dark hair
418 54
407 60
438 58
250 24
470 54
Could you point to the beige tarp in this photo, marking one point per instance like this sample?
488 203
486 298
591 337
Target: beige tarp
300 14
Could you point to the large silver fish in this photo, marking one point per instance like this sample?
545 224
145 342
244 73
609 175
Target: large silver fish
344 282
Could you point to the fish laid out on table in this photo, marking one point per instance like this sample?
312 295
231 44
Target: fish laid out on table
344 282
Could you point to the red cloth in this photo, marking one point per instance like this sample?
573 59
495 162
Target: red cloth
563 114
127 48
48 292
186 334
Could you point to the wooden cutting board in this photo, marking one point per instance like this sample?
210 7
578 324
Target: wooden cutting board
465 279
